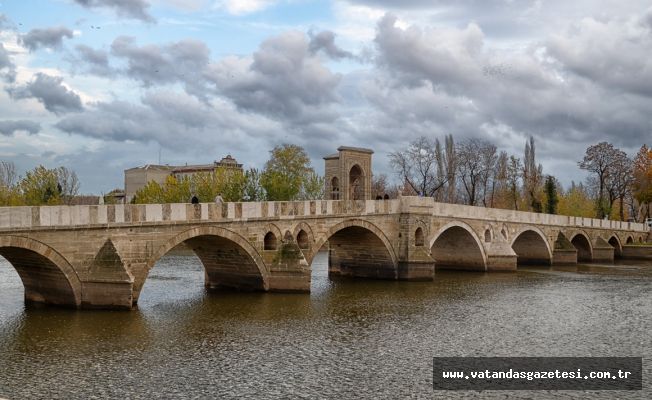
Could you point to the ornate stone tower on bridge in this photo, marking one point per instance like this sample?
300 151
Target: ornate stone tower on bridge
348 174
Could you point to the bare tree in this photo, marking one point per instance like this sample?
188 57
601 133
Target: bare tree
68 184
418 167
475 159
619 180
514 169
8 176
488 158
603 161
379 185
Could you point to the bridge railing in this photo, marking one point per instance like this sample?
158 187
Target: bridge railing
66 216
428 205
102 215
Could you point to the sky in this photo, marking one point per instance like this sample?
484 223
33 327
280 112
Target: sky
100 86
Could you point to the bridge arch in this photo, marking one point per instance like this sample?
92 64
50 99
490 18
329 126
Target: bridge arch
583 245
229 259
457 246
614 241
303 235
46 275
531 247
358 248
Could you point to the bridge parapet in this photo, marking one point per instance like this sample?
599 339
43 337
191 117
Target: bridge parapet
25 218
458 211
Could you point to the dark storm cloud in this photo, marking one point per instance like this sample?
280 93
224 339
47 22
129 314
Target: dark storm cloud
136 9
325 41
7 67
50 91
9 127
47 37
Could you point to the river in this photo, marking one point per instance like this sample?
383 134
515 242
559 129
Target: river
348 339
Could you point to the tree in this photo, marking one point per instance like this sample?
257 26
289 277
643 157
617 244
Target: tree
253 189
286 173
379 185
532 176
576 202
489 159
313 187
514 171
619 180
420 166
551 195
597 160
451 168
7 174
68 184
642 179
475 160
41 187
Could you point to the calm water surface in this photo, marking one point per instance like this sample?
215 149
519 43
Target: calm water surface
348 339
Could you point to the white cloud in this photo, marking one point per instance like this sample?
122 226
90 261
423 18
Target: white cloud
242 7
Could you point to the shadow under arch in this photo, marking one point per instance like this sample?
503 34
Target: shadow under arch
46 275
229 260
614 241
531 247
358 248
457 246
580 240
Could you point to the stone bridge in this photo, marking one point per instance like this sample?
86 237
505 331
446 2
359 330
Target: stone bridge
100 256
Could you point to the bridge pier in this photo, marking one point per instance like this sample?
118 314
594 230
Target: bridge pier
603 251
289 270
564 253
501 257
415 262
356 252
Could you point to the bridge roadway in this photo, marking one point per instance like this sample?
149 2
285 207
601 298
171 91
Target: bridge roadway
100 256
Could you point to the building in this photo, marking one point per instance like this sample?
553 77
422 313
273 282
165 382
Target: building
136 178
348 174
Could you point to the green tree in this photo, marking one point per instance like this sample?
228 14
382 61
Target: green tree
253 189
313 187
576 202
41 187
228 183
551 195
286 173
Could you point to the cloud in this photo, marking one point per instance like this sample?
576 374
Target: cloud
136 9
9 127
49 91
182 61
282 79
175 120
242 7
51 38
97 61
7 67
609 52
325 41
568 91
